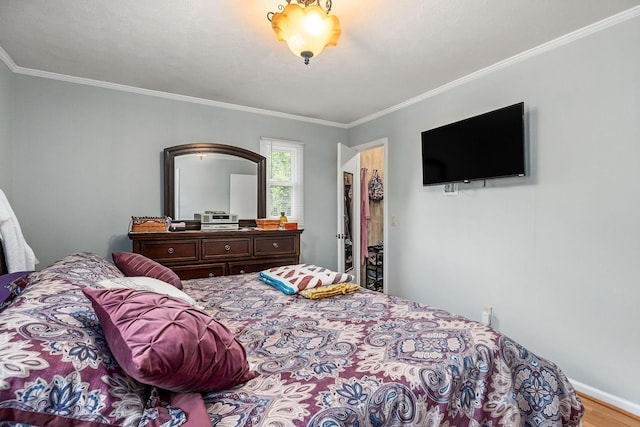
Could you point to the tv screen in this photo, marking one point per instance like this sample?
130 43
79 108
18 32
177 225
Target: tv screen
490 145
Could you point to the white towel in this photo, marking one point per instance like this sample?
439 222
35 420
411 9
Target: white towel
17 252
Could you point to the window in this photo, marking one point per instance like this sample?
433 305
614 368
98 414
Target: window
284 179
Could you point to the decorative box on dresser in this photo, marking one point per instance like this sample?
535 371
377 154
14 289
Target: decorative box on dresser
197 254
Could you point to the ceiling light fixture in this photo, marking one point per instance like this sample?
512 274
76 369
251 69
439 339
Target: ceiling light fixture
307 30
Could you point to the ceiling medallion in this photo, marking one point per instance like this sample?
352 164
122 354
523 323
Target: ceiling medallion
307 30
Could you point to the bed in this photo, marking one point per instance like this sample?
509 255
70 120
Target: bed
359 359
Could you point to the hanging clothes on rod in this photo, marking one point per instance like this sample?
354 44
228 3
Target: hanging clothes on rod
376 190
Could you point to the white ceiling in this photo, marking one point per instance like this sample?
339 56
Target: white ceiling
225 51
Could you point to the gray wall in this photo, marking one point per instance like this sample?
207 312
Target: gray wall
557 253
88 158
6 98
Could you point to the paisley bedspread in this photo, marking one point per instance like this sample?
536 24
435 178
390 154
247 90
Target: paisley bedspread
56 369
369 359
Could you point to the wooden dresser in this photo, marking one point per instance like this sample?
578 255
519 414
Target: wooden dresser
198 254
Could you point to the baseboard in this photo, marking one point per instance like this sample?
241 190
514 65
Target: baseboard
616 401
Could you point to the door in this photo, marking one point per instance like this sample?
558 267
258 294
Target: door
348 234
350 160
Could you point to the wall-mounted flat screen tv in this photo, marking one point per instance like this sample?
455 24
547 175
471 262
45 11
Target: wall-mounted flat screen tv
490 145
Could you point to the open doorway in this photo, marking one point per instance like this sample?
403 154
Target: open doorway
372 225
362 214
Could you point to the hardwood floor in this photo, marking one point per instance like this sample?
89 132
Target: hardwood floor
601 414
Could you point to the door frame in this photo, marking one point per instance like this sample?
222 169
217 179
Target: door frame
382 142
348 161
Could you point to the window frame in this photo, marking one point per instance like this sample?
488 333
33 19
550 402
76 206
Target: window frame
269 145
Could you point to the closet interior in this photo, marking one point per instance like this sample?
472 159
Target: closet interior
372 218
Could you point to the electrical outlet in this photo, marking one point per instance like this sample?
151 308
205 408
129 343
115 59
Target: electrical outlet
486 315
451 189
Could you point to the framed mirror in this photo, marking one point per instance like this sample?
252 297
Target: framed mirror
203 177
348 222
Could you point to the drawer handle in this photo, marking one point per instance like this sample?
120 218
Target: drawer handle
227 247
212 275
275 245
170 250
241 271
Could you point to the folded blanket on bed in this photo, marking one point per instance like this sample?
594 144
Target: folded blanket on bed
291 279
325 291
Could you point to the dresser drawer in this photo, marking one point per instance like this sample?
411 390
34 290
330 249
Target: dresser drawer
240 267
171 250
196 254
275 245
200 271
226 248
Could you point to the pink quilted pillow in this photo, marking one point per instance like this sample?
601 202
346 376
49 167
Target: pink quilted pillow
165 342
139 265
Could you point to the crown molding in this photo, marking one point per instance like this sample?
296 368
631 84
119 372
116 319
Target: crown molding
560 41
4 56
159 94
538 50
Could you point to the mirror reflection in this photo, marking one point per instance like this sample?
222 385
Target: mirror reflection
210 177
215 182
348 214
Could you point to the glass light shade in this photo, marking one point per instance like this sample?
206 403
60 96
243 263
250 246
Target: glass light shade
307 30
